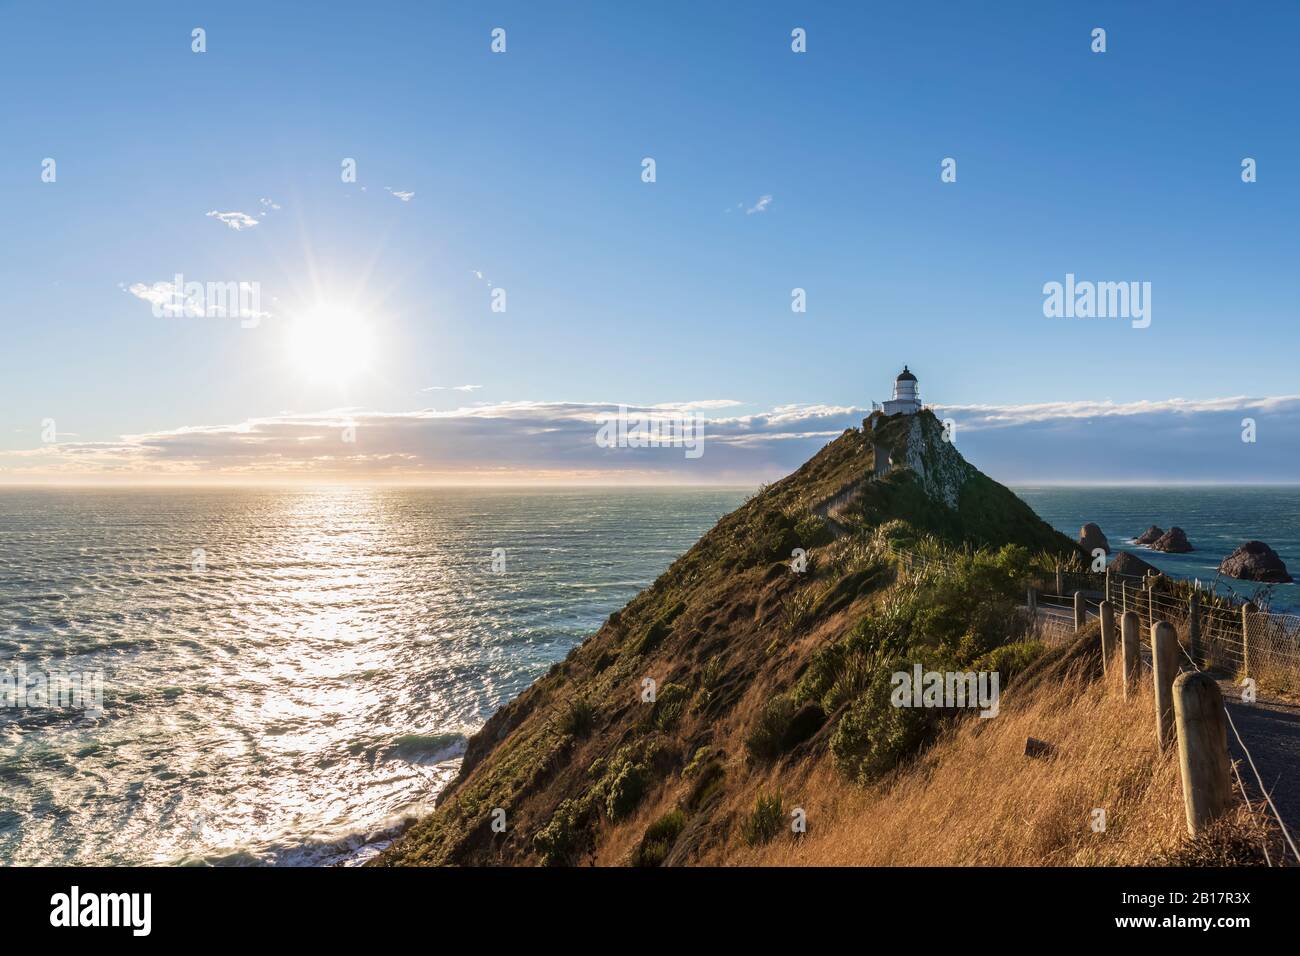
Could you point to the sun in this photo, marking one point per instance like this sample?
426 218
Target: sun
330 345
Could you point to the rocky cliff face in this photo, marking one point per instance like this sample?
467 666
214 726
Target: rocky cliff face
939 468
930 484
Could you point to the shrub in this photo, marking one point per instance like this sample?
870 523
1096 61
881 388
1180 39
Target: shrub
659 629
771 537
764 740
873 736
821 673
702 756
707 781
578 717
624 790
838 673
557 841
853 678
1010 659
765 821
797 611
812 532
659 839
669 704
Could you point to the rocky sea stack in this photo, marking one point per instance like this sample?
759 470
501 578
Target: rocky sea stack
1173 541
1255 561
1091 538
1150 536
1130 565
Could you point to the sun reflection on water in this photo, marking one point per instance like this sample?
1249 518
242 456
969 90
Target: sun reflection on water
316 683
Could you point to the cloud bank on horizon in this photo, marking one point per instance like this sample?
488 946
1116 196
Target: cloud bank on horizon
1170 441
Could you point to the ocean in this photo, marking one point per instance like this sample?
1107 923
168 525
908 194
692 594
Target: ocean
1217 520
287 674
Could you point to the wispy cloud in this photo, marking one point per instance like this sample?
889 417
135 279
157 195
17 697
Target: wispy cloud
454 388
403 196
508 440
1005 416
1168 440
157 294
235 220
196 300
760 206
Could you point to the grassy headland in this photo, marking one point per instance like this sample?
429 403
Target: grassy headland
771 694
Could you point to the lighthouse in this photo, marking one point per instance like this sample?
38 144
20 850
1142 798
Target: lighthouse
907 396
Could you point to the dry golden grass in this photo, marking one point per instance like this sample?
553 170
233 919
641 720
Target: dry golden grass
975 799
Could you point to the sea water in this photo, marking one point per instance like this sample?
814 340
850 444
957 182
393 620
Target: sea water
289 674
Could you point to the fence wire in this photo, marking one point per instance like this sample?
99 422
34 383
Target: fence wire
1219 635
1260 645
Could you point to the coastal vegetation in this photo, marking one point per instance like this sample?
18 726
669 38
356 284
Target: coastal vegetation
743 692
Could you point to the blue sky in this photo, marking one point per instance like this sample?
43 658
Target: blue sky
525 169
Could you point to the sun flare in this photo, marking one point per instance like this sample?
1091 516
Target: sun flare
331 345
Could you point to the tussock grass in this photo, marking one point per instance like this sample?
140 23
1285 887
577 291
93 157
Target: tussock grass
975 799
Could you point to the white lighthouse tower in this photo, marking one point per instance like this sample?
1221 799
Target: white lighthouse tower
907 395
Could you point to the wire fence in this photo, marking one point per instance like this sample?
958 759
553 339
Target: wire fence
1220 635
1213 633
1223 634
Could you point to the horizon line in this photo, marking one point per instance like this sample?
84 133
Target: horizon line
564 483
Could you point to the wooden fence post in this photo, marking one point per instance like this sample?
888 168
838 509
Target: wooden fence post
1107 633
1080 614
1060 579
1247 610
1164 664
1032 600
1194 627
1202 749
1129 626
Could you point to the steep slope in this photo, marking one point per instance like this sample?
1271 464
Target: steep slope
733 663
932 487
